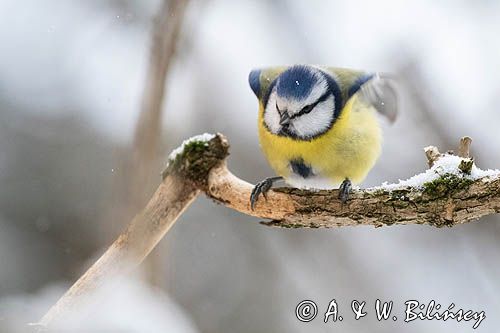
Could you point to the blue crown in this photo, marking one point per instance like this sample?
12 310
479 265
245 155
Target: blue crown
296 82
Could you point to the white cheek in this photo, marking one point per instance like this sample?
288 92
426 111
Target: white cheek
315 122
271 115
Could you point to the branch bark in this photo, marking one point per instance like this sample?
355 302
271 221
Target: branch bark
201 167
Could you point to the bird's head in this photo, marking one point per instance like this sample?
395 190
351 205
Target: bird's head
302 103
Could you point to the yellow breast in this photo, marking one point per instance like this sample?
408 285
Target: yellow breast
348 150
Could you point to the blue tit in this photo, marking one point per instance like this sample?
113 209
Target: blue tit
318 126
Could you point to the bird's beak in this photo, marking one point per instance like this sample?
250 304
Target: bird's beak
284 119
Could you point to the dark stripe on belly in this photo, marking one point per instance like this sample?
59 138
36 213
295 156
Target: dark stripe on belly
301 169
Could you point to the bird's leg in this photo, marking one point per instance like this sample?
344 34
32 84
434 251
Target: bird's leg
262 187
344 190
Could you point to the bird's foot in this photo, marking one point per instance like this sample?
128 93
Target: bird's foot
262 187
344 190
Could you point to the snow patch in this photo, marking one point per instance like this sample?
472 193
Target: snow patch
447 164
205 137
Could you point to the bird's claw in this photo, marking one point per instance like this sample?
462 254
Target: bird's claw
344 190
262 187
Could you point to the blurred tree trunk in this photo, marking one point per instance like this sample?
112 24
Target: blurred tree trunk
140 173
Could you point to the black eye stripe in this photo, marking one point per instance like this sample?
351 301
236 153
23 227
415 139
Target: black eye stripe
308 108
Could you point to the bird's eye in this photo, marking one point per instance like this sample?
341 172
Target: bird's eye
307 108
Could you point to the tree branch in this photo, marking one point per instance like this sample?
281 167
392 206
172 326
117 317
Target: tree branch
199 165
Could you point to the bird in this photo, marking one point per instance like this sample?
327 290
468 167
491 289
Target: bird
319 126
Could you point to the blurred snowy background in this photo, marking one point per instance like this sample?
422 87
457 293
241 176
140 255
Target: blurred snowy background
72 75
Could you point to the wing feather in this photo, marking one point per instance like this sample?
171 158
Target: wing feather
380 91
